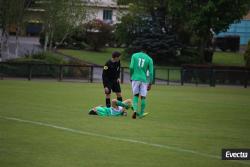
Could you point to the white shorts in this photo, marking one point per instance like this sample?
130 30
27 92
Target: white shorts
140 88
115 111
118 109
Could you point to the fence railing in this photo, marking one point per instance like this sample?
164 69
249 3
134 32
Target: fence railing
93 73
215 75
48 71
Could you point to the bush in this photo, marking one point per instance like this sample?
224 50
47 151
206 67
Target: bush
214 73
189 55
98 34
247 55
76 72
160 46
40 58
208 55
20 67
75 40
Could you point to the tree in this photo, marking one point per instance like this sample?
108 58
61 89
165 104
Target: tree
12 14
98 34
247 55
131 24
18 19
6 18
149 29
194 21
162 47
60 18
203 18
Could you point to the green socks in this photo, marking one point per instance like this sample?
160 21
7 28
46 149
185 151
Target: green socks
119 103
135 103
143 105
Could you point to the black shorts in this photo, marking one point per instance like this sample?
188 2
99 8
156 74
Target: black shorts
112 86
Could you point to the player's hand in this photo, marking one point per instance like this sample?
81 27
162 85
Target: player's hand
149 87
118 80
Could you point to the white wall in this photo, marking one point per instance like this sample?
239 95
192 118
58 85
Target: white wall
103 1
98 6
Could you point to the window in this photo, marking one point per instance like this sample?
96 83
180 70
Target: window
107 15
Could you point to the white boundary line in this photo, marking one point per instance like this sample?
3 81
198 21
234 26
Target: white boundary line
177 149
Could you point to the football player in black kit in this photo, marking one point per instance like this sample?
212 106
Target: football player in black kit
111 77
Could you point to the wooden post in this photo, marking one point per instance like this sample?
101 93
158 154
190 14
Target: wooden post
60 72
29 72
182 79
91 73
1 71
246 79
196 76
168 76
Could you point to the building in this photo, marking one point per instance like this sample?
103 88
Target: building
106 10
241 29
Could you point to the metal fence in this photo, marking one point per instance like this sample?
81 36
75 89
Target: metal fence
46 71
91 73
216 75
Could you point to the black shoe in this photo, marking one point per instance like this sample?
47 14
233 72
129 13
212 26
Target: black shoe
92 112
134 115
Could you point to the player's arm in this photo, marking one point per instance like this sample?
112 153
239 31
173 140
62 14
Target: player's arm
151 71
151 74
105 73
131 66
118 72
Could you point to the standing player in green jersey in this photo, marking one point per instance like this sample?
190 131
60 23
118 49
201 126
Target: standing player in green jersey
139 65
117 108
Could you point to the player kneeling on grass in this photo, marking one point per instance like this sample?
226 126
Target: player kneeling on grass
117 108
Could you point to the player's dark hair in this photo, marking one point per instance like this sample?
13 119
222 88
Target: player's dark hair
116 54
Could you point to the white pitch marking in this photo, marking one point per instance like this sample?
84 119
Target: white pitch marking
119 139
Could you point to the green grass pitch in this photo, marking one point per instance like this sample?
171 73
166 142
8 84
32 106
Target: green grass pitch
46 123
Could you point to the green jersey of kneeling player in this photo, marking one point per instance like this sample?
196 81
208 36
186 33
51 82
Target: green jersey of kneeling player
117 108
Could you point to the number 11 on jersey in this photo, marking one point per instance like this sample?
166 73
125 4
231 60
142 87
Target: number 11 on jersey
141 62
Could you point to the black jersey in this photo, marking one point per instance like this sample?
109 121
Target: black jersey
111 71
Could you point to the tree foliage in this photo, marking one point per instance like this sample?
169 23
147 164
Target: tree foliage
202 19
133 23
60 19
193 21
11 15
146 28
98 34
247 55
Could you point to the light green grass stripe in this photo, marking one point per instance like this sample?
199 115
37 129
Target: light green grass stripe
118 139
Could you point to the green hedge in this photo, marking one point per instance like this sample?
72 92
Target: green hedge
43 65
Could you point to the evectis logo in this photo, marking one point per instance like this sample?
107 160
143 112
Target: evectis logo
235 154
230 154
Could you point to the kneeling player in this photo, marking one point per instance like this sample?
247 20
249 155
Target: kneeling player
117 108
